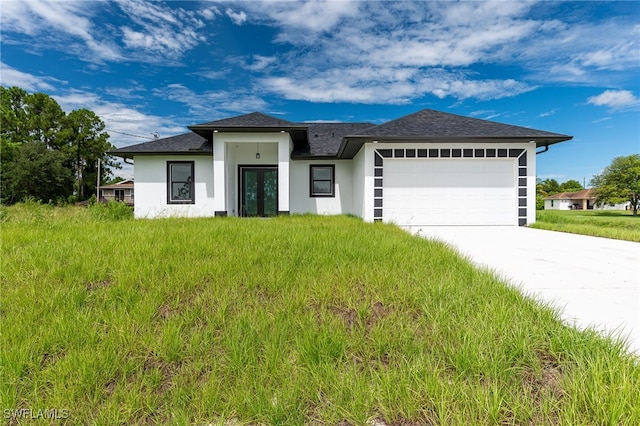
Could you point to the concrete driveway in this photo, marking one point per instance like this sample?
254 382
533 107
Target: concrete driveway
594 281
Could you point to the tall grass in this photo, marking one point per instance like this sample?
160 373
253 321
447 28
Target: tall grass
298 320
620 225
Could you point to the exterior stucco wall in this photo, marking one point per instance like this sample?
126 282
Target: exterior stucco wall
619 206
150 176
363 182
559 204
302 202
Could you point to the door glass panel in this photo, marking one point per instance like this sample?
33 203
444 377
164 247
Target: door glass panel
250 192
270 182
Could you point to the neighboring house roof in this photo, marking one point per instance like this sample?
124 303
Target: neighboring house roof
125 184
344 140
585 194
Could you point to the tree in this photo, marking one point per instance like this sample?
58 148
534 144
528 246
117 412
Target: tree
619 182
44 119
34 127
571 186
36 172
84 142
550 187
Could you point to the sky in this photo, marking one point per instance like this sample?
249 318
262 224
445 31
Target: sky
151 67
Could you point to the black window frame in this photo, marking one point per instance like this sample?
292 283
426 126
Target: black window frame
170 182
332 181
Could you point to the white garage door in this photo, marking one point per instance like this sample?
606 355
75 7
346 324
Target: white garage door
450 191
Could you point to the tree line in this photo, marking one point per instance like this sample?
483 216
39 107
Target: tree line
46 154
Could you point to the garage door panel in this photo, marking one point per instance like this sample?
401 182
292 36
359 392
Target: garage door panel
449 192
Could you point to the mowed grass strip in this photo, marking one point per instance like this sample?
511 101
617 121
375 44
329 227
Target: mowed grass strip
293 320
619 225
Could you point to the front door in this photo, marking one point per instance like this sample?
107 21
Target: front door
258 191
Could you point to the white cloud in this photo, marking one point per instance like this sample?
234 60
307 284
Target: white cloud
581 53
392 52
237 18
414 37
615 99
211 74
548 113
158 32
154 32
55 21
387 86
10 76
305 19
209 13
260 63
601 120
120 118
211 105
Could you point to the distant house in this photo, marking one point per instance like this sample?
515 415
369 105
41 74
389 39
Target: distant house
579 200
426 168
121 191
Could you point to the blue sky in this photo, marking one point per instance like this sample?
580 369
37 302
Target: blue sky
147 67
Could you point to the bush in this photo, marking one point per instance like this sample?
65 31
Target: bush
112 210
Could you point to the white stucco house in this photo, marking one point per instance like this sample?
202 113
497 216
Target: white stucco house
426 168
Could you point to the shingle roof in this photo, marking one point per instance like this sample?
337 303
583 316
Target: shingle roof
344 140
180 144
127 185
428 123
578 195
324 139
254 119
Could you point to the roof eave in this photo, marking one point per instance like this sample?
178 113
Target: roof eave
205 130
314 157
131 154
358 140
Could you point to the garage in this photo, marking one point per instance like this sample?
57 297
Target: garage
441 191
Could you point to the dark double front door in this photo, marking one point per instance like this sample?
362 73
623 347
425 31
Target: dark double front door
258 191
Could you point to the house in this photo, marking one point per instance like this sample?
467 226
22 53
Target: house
121 191
579 200
426 168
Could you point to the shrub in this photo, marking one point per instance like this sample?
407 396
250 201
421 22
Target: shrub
112 210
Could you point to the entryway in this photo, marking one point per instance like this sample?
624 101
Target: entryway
258 191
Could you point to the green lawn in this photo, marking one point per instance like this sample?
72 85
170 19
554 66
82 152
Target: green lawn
293 320
620 225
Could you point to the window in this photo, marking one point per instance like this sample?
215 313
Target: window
180 182
322 182
119 194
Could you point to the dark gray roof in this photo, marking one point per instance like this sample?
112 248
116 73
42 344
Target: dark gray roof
186 143
344 140
254 119
436 124
428 125
254 122
324 139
